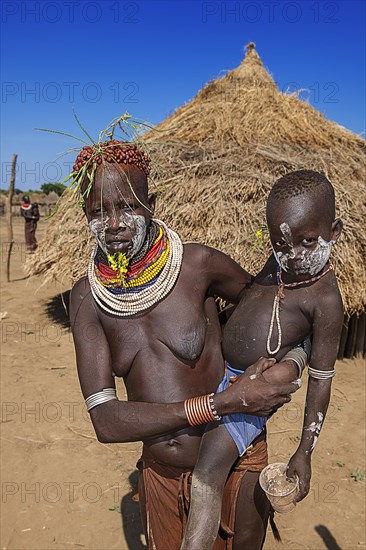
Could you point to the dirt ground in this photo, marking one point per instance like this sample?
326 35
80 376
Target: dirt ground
63 490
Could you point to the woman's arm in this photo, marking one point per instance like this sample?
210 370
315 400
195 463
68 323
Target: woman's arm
122 421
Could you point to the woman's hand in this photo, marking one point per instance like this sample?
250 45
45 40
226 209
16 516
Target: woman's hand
250 393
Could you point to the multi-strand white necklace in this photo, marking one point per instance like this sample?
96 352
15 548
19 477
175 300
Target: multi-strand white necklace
276 305
126 304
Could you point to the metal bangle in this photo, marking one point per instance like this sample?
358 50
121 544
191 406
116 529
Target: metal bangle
321 374
108 394
298 356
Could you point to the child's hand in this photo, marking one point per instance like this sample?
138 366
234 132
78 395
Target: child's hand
300 464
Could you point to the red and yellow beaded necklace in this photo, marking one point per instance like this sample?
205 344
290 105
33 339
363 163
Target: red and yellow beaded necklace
135 277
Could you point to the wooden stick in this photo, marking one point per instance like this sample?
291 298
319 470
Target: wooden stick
9 215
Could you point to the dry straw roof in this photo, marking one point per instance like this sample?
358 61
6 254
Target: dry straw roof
218 157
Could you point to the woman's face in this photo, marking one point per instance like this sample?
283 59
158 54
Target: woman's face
119 210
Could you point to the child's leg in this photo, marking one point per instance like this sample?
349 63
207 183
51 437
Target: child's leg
218 453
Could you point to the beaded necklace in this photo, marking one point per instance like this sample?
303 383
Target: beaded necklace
276 304
138 274
146 282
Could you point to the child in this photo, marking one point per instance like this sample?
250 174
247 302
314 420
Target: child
295 295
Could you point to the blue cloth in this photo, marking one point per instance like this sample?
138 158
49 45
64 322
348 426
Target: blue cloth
243 428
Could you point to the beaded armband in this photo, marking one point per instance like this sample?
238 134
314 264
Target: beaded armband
200 410
321 374
108 394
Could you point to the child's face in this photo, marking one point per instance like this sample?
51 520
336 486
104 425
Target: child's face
302 236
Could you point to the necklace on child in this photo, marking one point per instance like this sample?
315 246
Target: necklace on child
276 305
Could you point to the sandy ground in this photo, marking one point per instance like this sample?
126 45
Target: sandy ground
63 490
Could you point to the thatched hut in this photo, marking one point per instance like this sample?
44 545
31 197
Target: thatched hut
218 157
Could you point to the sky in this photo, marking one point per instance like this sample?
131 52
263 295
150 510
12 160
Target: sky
149 57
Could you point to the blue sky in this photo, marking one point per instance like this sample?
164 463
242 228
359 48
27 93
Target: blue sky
149 57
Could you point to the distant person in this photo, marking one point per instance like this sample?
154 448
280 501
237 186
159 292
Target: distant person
294 296
30 213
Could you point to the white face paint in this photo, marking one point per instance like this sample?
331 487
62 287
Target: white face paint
134 222
137 224
281 257
287 235
98 228
310 261
313 261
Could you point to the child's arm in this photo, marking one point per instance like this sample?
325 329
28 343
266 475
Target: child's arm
327 326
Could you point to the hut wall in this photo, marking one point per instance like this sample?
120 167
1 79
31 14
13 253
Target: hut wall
353 338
